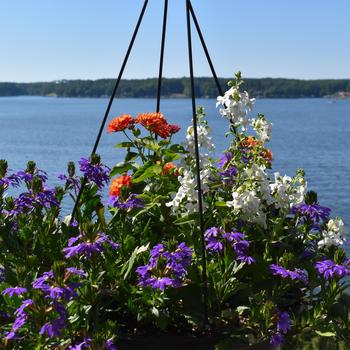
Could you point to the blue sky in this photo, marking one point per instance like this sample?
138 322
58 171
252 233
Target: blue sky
44 40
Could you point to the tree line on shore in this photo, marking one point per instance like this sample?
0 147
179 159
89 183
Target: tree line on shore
176 87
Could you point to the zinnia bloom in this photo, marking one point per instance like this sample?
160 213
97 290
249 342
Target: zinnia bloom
118 183
121 123
267 155
150 120
168 166
155 122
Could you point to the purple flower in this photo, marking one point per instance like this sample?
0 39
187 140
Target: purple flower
12 180
81 245
109 345
27 201
283 326
28 177
217 237
24 305
20 320
313 212
75 271
11 291
224 159
53 329
71 182
296 274
284 322
52 290
96 173
228 175
165 269
329 269
132 202
85 344
277 339
212 237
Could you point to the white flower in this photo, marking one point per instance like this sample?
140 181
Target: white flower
335 233
262 128
235 106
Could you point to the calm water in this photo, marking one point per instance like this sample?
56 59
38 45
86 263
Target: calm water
310 133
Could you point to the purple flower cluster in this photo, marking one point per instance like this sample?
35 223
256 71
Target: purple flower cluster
54 328
85 344
28 176
27 201
313 212
21 318
329 269
47 284
296 274
283 326
12 180
132 202
216 238
82 245
71 182
165 269
97 173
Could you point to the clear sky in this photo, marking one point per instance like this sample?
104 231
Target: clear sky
44 40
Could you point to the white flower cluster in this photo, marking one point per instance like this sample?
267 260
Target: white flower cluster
186 197
205 143
188 192
286 192
257 175
235 106
262 127
335 233
247 203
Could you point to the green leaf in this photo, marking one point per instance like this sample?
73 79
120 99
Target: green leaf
146 172
120 168
124 144
178 149
325 334
130 263
220 204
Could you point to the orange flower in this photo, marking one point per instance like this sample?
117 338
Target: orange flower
118 183
150 120
267 154
155 122
169 166
250 141
120 123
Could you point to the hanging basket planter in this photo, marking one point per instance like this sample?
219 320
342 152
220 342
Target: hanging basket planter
189 243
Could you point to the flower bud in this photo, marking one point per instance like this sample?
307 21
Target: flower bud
3 168
71 169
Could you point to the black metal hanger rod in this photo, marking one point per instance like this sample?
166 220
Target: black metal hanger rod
162 54
103 123
198 174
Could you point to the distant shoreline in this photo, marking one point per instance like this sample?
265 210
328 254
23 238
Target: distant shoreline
179 88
